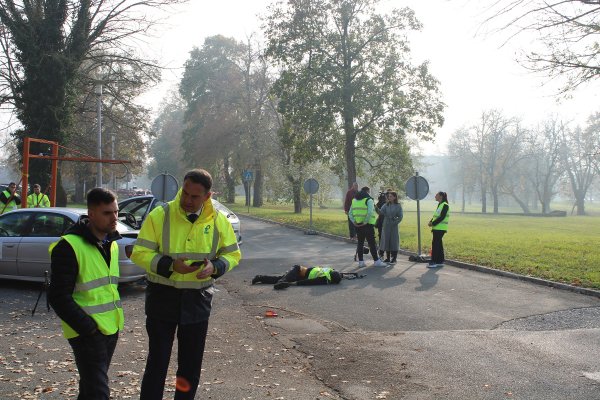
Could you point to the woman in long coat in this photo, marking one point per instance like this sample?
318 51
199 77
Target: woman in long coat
390 238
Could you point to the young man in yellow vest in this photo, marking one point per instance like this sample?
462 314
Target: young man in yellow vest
183 246
84 291
9 199
364 216
37 199
301 276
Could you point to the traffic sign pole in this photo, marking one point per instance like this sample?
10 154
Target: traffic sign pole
418 214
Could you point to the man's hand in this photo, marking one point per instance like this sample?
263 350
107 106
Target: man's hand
181 267
429 223
208 270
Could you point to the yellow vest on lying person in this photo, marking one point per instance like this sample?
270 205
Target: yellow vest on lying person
359 211
317 272
167 232
96 286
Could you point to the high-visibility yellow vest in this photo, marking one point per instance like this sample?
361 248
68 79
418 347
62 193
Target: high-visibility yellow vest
39 200
359 211
96 287
167 232
443 225
11 205
317 272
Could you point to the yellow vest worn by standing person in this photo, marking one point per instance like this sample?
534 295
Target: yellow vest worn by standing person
167 232
38 200
96 286
443 225
360 210
10 206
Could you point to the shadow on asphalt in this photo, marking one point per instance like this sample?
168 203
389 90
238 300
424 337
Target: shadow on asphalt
428 280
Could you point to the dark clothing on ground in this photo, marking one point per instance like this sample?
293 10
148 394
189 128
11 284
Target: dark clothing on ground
366 231
93 354
437 247
64 271
293 275
191 339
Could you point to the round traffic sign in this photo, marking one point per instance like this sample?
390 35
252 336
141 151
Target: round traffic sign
416 187
311 186
164 187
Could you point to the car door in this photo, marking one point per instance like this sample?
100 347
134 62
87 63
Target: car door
46 228
138 207
12 226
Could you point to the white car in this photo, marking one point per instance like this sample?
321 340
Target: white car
26 233
133 211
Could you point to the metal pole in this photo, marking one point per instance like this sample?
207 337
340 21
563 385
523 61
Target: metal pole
99 115
112 156
418 212
310 223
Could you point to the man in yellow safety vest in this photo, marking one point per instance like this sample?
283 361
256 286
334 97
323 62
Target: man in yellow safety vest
183 246
301 276
364 216
37 199
84 291
9 199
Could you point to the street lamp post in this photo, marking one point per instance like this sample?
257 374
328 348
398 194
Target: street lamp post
98 91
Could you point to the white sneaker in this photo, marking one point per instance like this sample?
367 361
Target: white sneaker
361 264
380 263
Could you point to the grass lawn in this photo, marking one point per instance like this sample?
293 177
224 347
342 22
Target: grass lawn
559 249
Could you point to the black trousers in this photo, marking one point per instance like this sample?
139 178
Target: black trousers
437 247
351 229
293 275
366 232
92 357
190 347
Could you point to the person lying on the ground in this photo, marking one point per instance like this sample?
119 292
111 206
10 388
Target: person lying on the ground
301 276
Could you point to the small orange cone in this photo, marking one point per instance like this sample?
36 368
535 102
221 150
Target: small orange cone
270 313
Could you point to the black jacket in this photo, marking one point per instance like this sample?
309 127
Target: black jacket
64 271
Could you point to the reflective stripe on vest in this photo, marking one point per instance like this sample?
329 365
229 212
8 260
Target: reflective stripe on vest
318 272
443 225
182 281
360 210
96 286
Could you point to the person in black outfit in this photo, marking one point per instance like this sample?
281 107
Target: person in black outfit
9 198
439 227
300 276
93 349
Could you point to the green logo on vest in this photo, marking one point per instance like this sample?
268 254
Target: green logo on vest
206 229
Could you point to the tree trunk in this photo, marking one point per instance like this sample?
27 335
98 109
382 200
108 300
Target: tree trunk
483 200
247 193
258 186
229 182
495 199
580 202
296 193
521 203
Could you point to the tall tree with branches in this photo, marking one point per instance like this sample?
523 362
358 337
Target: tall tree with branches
44 45
348 80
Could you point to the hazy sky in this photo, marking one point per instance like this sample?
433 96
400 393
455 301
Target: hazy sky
475 73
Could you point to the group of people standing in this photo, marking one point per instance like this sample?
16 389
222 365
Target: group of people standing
184 246
364 216
10 199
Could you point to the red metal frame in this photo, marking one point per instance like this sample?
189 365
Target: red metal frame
54 157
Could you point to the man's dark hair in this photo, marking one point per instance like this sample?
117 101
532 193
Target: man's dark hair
98 196
200 176
365 189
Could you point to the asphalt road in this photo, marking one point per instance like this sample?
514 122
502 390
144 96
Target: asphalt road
404 332
412 332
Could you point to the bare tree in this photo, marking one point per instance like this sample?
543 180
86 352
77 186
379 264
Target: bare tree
566 35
